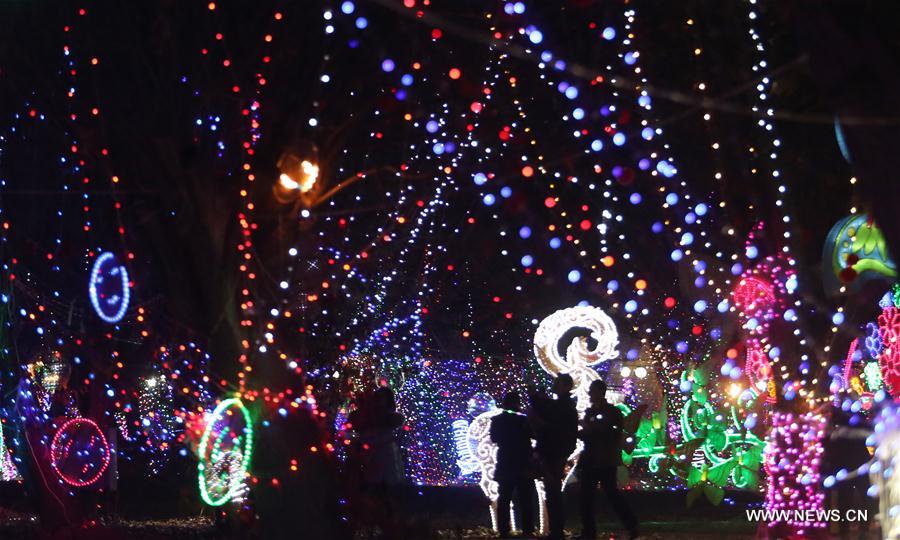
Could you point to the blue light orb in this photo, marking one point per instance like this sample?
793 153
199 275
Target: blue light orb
700 306
527 260
687 239
837 318
578 113
647 133
632 354
635 198
657 227
666 169
536 36
571 92
619 139
672 199
525 232
609 33
613 285
596 145
506 192
489 199
631 306
700 209
480 179
362 23
752 252
676 255
555 243
574 276
347 7
388 65
432 126
750 422
681 347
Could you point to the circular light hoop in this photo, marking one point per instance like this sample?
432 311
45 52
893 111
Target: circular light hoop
60 451
205 463
107 266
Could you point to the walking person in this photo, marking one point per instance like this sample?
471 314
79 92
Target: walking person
512 435
602 434
555 423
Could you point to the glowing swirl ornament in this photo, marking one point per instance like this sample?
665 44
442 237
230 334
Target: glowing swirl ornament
579 359
109 288
79 452
225 450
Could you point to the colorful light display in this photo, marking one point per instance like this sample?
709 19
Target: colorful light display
439 172
793 458
79 452
855 251
225 450
889 359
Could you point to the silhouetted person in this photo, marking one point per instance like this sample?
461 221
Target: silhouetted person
555 423
602 434
512 435
378 455
377 451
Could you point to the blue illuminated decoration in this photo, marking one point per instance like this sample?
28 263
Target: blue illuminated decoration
841 141
108 288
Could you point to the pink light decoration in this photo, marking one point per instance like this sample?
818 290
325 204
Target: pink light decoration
848 362
792 460
757 367
759 298
755 297
74 452
889 361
